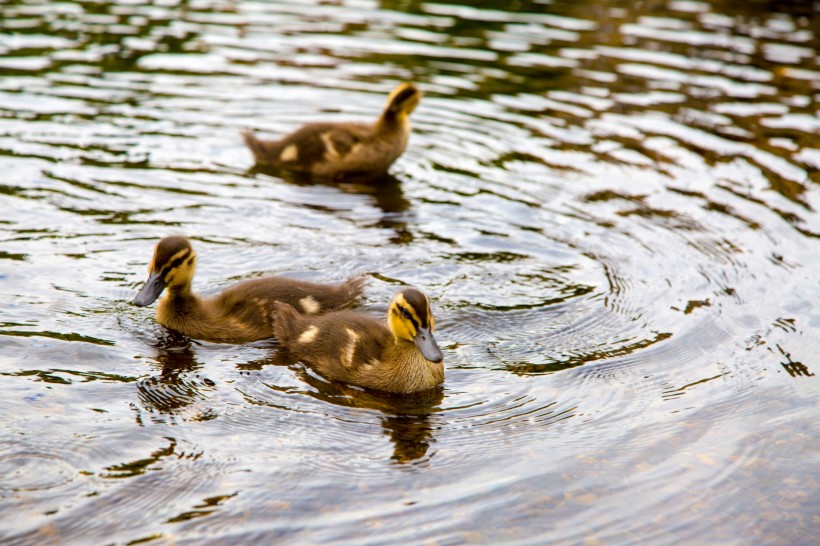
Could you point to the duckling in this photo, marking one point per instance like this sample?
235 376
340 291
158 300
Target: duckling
340 150
242 312
400 357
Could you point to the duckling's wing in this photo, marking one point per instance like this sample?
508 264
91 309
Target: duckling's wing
339 344
366 341
250 303
340 140
319 142
253 302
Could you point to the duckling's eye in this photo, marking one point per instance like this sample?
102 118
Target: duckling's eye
405 313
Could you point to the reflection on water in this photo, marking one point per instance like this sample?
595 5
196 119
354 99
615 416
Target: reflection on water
385 192
178 384
406 419
613 206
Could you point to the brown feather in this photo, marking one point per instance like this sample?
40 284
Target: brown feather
245 311
240 313
338 150
354 348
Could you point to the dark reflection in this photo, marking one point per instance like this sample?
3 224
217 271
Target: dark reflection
138 467
175 388
794 368
565 362
58 335
794 8
411 435
385 193
407 419
207 507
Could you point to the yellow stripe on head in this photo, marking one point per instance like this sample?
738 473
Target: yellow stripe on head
174 259
403 99
409 312
177 265
153 263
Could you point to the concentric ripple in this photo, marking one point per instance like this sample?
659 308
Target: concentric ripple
25 472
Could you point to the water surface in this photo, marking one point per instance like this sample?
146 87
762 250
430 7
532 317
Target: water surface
612 205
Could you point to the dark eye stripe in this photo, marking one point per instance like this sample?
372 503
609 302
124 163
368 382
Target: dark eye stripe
410 317
172 265
419 303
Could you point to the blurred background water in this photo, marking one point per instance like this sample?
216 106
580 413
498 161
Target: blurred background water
613 205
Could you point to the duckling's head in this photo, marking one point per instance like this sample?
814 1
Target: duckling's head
403 100
172 266
409 318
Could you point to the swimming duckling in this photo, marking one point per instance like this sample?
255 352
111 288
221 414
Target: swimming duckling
400 357
339 150
240 313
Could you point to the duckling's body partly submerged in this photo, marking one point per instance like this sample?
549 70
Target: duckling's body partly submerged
343 150
242 312
400 357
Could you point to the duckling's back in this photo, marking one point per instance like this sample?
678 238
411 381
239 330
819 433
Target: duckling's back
245 312
310 298
338 344
252 302
354 348
331 150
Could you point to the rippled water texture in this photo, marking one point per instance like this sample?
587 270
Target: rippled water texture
613 205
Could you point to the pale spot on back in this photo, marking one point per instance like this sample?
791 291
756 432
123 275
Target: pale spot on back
354 151
310 305
349 349
309 335
290 153
371 365
330 149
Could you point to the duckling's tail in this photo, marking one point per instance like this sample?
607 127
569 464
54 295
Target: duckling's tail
351 291
286 326
257 147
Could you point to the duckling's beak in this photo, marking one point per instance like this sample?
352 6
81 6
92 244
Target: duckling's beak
427 345
151 290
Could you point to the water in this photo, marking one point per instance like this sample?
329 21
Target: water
613 206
